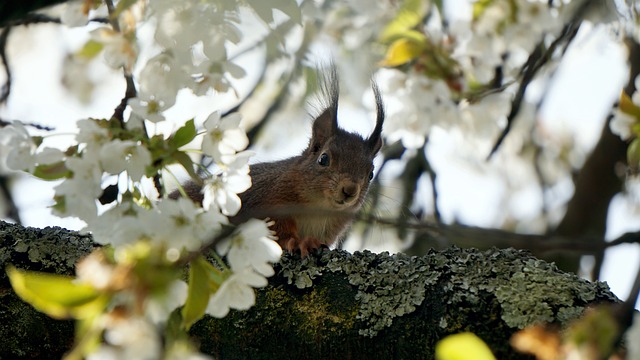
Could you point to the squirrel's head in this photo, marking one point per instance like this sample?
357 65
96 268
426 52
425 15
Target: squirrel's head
340 162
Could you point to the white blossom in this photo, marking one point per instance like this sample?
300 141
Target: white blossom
125 155
212 74
621 124
221 190
90 133
119 50
16 142
81 190
76 13
149 107
252 246
95 271
236 292
160 80
182 225
414 104
117 226
223 136
159 305
131 338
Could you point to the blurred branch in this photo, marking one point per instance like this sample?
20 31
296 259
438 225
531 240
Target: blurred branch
4 123
12 209
130 91
431 235
598 181
4 36
538 58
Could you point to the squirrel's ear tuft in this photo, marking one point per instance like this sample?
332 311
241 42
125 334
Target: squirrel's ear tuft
326 124
375 139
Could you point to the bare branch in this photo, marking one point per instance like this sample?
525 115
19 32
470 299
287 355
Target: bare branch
538 58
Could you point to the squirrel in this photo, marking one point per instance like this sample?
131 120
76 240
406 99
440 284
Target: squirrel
311 198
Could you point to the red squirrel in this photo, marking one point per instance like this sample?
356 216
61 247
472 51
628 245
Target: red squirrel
312 198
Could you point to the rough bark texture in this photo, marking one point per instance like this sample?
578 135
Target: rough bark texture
332 305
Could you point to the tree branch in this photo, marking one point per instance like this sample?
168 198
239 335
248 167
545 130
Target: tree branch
535 62
331 304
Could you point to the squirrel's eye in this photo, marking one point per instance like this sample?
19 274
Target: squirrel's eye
323 160
371 176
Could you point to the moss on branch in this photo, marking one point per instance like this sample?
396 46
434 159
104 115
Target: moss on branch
332 304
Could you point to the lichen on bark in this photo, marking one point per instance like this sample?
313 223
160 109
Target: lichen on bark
399 306
332 304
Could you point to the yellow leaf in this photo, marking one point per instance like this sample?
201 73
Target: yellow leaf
56 295
401 52
463 346
90 49
410 15
627 106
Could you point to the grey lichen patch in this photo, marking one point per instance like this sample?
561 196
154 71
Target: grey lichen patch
51 249
529 290
526 289
388 286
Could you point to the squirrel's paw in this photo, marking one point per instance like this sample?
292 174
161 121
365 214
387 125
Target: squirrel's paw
303 246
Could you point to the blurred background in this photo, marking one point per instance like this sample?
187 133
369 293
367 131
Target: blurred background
455 77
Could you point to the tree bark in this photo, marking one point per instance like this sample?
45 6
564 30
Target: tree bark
333 304
599 180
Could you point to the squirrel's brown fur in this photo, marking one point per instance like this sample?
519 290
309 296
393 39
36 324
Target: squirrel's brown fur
312 197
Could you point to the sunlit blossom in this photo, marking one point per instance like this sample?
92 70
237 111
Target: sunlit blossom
221 190
125 155
252 246
236 292
223 136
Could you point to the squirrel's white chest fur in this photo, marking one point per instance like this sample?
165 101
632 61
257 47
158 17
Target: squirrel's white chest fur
319 228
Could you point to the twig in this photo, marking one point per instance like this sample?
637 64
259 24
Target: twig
434 189
4 36
535 62
6 87
12 211
4 123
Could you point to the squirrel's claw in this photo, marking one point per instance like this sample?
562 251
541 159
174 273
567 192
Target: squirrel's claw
302 246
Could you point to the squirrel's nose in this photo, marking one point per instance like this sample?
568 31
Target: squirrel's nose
350 190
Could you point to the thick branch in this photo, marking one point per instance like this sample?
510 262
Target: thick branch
598 182
333 304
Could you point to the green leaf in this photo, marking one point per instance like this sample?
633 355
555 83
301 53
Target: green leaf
184 135
410 15
633 154
90 49
51 171
56 295
198 293
186 162
401 52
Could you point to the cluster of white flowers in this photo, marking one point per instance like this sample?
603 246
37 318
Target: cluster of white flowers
414 103
502 34
141 228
